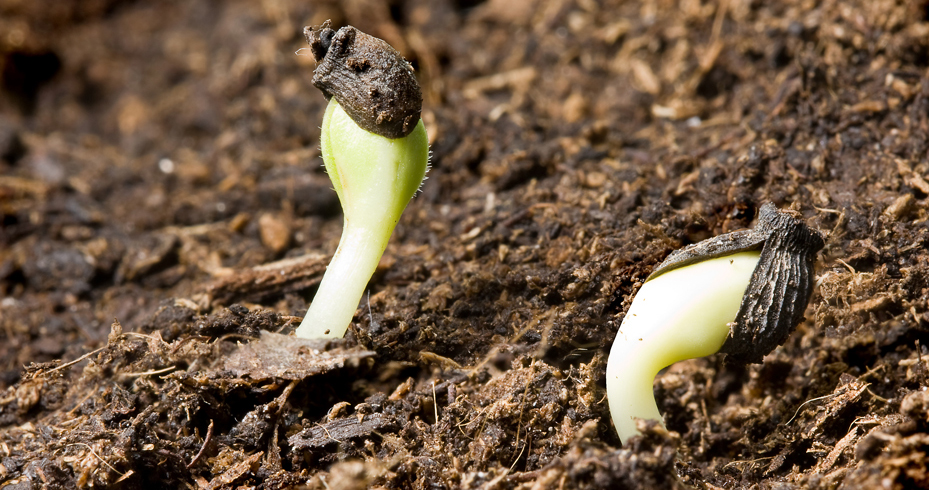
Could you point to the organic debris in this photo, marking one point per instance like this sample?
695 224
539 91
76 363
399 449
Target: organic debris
159 164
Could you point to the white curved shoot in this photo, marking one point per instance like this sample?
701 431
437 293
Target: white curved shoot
681 314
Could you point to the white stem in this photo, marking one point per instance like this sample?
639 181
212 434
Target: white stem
681 314
344 283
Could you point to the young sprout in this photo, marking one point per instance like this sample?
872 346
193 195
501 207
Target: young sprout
741 294
376 153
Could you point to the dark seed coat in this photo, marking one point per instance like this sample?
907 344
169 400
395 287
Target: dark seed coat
369 79
780 287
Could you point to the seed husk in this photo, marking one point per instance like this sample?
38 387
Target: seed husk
371 81
780 287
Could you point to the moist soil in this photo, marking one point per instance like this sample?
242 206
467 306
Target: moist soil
166 219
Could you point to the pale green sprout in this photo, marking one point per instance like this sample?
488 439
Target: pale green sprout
375 177
682 314
740 294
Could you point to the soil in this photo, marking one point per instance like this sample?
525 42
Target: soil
165 219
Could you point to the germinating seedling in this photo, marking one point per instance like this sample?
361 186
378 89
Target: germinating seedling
741 293
376 153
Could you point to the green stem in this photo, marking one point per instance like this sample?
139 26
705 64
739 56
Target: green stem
375 177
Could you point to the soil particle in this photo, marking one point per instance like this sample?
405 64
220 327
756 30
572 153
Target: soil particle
269 280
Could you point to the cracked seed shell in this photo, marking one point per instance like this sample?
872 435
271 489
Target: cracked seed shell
370 79
780 287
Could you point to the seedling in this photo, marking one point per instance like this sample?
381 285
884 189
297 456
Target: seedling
741 294
376 153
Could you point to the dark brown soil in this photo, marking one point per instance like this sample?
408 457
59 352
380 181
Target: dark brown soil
162 203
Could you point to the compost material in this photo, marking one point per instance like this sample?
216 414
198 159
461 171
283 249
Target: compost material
164 220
